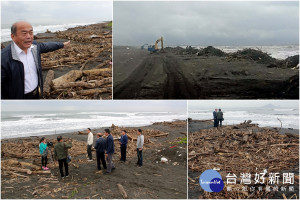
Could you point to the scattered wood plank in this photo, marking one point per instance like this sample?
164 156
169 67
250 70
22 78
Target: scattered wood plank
48 82
122 191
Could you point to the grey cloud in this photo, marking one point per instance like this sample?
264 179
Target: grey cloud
107 106
55 12
206 23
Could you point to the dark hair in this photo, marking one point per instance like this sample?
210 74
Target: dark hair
107 131
140 130
124 131
13 29
89 129
59 138
99 134
42 139
219 109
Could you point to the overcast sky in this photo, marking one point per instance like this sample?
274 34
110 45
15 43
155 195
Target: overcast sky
105 106
223 104
206 23
55 12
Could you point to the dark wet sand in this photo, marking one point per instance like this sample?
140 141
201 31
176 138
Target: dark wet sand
167 75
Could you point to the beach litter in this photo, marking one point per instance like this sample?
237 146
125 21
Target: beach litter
164 160
243 148
89 62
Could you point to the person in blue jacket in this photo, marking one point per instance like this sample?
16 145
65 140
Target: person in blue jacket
100 149
44 153
123 145
21 70
109 151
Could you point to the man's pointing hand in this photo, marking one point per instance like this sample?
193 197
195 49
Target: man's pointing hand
66 44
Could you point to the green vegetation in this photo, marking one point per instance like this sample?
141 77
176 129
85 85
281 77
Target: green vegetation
183 140
109 24
74 192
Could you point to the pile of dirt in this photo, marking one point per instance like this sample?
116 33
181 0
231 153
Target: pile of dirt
176 50
211 51
253 54
292 62
191 50
256 148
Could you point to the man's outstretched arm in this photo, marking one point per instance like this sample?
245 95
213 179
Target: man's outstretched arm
52 46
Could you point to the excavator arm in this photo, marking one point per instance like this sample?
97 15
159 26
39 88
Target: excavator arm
161 42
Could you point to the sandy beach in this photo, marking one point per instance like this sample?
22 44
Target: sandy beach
82 71
153 180
209 73
241 148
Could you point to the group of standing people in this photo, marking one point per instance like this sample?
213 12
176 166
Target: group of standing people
105 148
218 117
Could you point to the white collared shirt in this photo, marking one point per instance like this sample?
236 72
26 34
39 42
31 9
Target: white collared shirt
90 138
31 75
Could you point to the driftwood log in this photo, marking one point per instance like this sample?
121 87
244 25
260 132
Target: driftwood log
48 82
71 76
122 191
89 84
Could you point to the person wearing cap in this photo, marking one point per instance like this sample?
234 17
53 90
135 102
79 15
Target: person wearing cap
109 151
90 144
21 70
139 147
100 149
123 145
60 154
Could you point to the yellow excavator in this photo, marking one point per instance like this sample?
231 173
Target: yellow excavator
154 48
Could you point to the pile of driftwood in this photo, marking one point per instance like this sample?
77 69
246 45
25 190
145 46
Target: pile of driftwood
243 148
132 137
177 123
79 84
29 150
89 62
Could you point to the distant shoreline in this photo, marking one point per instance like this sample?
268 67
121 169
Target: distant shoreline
94 130
53 28
196 125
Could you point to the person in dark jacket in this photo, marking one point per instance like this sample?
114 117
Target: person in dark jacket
219 118
109 151
21 70
60 154
100 149
123 145
215 118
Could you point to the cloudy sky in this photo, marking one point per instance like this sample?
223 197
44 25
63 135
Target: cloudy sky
206 23
105 106
211 104
55 12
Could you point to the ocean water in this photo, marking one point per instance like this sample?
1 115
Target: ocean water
276 51
5 30
263 116
23 124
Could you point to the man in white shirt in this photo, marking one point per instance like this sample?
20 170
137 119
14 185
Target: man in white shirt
139 147
21 70
90 144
